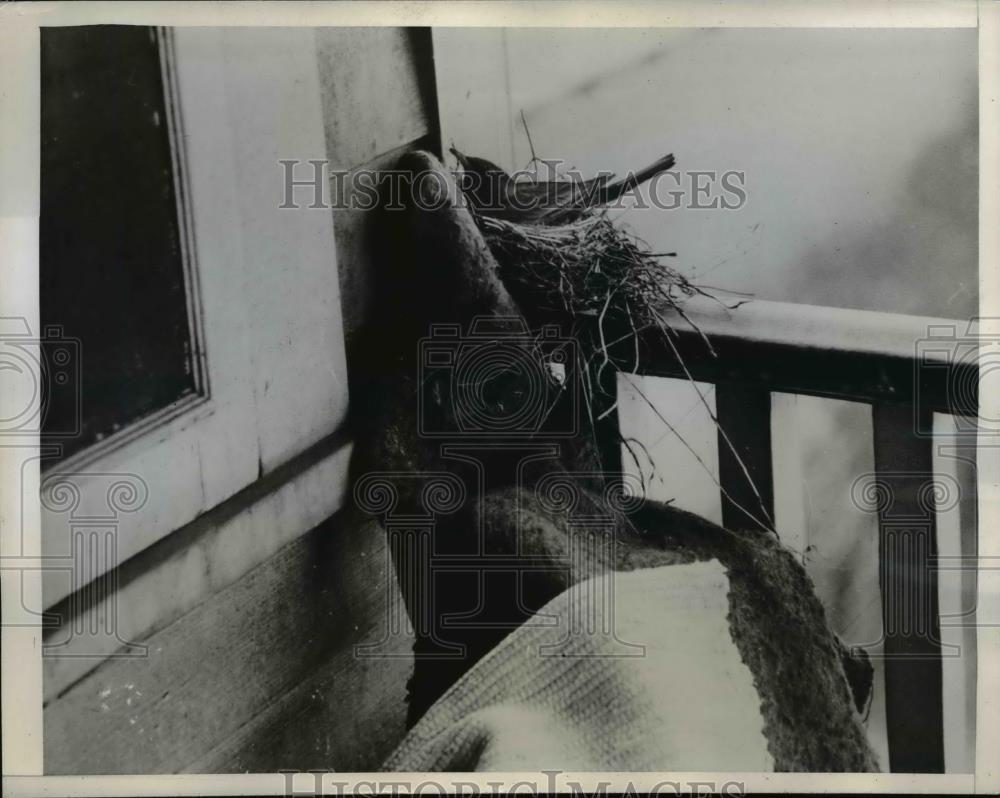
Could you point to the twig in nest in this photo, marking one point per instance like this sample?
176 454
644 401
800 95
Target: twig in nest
600 278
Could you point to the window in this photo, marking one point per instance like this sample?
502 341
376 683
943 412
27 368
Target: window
220 400
112 249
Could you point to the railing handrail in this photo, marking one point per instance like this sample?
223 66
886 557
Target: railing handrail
841 353
824 327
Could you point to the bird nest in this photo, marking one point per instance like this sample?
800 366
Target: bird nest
590 271
618 295
567 259
611 288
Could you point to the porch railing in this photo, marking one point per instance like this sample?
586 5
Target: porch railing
907 368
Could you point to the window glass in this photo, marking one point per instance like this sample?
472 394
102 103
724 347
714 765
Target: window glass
111 267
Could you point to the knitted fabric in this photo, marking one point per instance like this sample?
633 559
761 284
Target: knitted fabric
596 685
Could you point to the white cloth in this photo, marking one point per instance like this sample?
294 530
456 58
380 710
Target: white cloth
629 671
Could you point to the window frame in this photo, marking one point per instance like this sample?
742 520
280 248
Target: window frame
250 413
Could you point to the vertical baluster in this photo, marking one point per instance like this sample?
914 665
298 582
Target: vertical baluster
608 435
744 415
911 623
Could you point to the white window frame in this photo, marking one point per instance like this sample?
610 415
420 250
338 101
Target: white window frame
263 302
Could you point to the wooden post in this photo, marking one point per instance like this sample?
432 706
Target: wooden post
744 415
911 623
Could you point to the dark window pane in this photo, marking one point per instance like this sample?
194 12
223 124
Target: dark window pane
110 249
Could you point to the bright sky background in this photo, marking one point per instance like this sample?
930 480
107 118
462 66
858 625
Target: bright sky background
859 148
